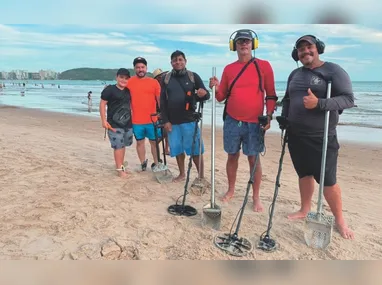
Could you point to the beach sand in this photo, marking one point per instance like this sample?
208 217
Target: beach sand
60 198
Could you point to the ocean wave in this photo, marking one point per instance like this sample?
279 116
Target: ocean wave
360 110
367 94
363 125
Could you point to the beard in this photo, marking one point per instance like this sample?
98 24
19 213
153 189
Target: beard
141 74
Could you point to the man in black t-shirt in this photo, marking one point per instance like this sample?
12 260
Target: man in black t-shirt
118 118
178 106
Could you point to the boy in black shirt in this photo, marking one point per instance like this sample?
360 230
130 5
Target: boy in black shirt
118 120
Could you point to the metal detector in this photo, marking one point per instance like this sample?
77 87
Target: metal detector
232 243
266 243
186 210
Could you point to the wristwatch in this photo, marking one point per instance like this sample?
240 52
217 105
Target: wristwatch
270 117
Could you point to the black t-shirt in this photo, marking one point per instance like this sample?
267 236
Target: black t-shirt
116 98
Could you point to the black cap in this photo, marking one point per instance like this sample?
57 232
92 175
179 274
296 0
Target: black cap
308 39
123 71
243 34
139 60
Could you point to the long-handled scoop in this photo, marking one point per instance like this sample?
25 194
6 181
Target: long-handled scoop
318 226
211 214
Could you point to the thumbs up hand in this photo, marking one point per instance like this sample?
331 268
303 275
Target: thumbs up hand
310 101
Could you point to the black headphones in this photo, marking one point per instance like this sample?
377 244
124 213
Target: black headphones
232 42
319 44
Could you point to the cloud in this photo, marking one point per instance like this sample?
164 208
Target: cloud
119 35
70 46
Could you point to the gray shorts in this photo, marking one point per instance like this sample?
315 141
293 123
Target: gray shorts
120 138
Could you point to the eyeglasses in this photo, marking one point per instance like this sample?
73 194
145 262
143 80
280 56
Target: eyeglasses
243 41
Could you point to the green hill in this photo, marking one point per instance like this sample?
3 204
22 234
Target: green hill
92 74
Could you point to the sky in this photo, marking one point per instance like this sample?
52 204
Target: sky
357 48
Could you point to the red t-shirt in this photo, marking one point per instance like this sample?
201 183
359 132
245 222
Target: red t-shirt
246 101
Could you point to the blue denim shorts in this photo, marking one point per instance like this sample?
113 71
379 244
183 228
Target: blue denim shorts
120 138
180 139
142 131
237 135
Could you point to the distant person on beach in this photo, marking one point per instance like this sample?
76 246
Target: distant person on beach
118 119
145 92
178 105
90 104
246 103
158 75
305 105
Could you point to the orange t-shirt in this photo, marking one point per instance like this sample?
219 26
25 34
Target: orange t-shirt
143 92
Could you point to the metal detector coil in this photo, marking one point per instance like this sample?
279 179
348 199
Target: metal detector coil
232 243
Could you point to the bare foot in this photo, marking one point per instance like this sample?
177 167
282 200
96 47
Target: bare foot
122 174
227 197
344 231
179 178
257 206
297 215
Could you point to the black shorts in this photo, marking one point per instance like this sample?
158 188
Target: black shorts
306 153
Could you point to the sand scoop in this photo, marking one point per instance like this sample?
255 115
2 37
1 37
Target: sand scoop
161 172
211 215
318 226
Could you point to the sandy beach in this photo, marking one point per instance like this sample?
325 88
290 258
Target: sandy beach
60 198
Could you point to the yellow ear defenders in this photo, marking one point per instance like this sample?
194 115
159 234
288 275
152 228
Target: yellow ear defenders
232 41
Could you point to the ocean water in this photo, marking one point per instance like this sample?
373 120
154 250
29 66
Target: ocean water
360 124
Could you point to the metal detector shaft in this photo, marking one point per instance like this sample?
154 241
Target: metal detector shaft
246 195
163 147
213 119
191 158
323 158
200 138
277 183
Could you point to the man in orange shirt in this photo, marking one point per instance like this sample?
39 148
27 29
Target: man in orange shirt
145 94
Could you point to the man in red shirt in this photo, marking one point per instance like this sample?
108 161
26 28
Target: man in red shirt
244 106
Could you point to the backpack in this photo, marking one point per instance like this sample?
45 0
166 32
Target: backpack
189 73
192 79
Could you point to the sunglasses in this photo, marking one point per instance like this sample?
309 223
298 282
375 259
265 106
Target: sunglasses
243 41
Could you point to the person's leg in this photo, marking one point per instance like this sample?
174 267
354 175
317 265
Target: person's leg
300 152
150 134
176 150
306 188
117 143
139 134
192 146
332 190
232 145
253 145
